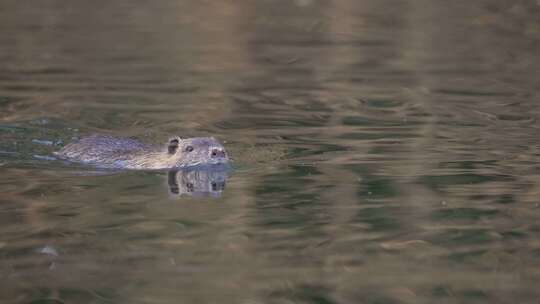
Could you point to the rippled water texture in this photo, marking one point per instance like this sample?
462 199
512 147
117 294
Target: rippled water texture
385 151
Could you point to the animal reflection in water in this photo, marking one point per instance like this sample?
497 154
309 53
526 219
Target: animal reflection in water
205 182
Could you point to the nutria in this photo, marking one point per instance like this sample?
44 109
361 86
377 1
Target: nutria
106 151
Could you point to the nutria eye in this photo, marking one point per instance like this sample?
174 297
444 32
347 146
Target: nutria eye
214 153
189 148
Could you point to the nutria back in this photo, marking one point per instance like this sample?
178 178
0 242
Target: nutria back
124 153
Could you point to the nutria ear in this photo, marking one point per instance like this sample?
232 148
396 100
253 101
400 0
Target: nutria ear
173 145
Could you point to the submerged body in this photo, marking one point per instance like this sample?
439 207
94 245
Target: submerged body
106 151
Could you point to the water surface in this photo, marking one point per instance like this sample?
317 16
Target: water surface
385 151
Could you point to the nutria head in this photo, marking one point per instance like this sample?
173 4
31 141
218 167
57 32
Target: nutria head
196 151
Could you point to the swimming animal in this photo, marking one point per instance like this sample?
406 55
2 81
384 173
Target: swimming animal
107 151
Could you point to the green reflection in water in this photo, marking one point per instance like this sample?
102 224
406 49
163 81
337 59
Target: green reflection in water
464 214
365 121
438 182
463 237
378 188
378 218
375 136
305 294
287 199
382 103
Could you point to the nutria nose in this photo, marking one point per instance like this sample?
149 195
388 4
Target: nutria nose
217 153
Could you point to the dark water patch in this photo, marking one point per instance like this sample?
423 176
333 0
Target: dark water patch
462 237
376 136
441 291
468 164
458 71
318 294
473 214
314 149
187 224
25 88
72 294
296 177
514 118
98 119
291 201
378 219
467 256
103 295
314 106
475 295
47 301
137 235
378 298
53 70
273 186
440 182
459 123
506 199
280 86
378 188
361 170
9 100
112 101
177 89
389 149
299 146
473 93
304 171
383 103
367 122
514 235
307 42
274 121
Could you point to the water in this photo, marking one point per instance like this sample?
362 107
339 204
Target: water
385 151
